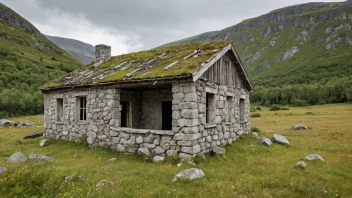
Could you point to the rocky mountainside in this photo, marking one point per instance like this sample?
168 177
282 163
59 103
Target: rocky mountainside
27 61
82 51
300 44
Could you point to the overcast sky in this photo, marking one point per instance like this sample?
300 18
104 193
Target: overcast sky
133 25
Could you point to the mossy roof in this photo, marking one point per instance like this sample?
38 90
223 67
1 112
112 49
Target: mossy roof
143 65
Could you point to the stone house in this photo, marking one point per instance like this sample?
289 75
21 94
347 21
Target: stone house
174 100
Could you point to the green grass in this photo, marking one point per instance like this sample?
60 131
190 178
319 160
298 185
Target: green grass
248 169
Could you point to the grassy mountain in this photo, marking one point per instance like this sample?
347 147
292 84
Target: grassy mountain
27 60
82 51
301 44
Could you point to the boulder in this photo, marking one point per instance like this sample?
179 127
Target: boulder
110 160
18 143
266 141
300 164
17 158
34 135
5 122
298 127
189 174
219 151
44 142
2 169
314 157
280 139
255 134
40 158
144 151
158 158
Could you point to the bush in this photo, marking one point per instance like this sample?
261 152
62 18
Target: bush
275 108
53 58
255 115
299 103
255 129
284 108
3 115
258 108
252 109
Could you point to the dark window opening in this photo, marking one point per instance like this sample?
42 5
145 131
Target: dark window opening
124 113
82 108
209 114
166 115
229 109
60 109
242 109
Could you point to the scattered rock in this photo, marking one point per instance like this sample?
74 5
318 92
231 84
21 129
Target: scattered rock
44 142
304 35
40 158
266 141
2 169
17 158
9 123
290 53
266 32
158 158
5 122
298 127
189 174
255 134
143 151
329 46
34 135
18 143
219 151
255 57
110 160
300 164
280 139
104 182
179 164
314 157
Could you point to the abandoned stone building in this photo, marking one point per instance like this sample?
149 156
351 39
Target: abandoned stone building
173 100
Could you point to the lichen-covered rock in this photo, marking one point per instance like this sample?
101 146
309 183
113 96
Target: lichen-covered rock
280 139
17 158
2 169
266 141
158 158
314 157
40 158
44 142
189 174
219 151
300 164
298 127
255 134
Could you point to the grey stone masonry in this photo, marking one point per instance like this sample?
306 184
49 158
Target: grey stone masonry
102 53
190 134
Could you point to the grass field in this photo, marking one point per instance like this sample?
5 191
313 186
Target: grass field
247 170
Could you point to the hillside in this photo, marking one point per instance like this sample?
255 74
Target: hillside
301 44
27 61
82 51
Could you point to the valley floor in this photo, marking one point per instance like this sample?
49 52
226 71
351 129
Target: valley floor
248 169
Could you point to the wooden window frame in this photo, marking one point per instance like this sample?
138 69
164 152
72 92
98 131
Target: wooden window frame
209 108
229 107
81 108
242 106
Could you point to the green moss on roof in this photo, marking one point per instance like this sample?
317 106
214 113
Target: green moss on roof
156 60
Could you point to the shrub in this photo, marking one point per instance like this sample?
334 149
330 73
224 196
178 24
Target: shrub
258 108
275 107
255 129
53 58
252 109
255 115
284 108
3 115
299 103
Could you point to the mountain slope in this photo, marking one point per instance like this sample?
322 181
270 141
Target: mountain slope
300 44
82 51
27 61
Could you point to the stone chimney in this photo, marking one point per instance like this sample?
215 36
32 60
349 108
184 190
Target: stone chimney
102 53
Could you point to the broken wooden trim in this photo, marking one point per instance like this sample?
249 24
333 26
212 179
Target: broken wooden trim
171 65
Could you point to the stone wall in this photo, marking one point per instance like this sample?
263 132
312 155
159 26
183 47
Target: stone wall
192 133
